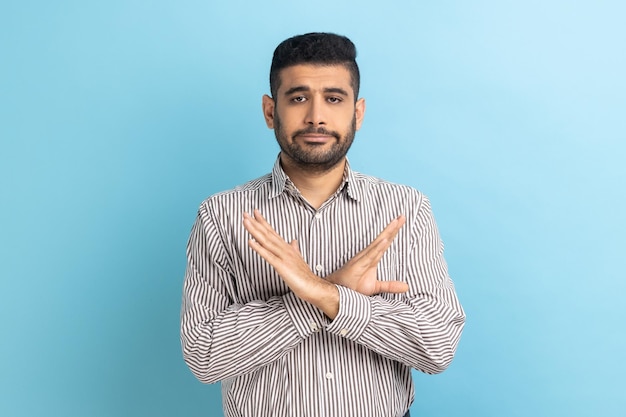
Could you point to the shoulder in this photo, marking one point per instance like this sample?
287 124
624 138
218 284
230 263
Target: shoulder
237 197
377 188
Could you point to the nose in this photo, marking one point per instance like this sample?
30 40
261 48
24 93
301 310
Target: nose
315 112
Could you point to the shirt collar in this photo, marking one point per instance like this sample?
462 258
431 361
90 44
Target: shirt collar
280 181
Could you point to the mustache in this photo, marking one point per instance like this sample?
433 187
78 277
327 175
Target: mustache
320 131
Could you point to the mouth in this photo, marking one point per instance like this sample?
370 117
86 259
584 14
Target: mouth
315 138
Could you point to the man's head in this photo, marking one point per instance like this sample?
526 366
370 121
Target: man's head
323 49
314 109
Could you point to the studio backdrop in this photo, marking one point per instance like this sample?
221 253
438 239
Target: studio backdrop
118 118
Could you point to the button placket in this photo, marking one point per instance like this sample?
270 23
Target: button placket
315 226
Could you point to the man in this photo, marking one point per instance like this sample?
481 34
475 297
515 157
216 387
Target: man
313 291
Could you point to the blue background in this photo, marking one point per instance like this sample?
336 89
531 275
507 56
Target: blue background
117 118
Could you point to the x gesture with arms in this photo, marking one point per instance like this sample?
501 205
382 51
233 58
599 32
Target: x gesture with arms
358 274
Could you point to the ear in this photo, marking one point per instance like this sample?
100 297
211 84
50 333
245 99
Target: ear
359 112
268 111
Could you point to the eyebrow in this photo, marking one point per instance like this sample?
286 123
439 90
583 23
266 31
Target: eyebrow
303 88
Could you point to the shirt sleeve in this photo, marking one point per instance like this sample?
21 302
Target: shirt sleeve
221 338
421 328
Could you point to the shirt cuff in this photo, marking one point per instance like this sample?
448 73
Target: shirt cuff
355 313
306 318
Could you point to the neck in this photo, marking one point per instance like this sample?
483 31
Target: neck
316 186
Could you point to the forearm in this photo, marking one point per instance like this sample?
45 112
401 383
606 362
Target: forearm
319 293
421 327
242 338
223 336
421 332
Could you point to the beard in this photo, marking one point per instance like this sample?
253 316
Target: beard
307 157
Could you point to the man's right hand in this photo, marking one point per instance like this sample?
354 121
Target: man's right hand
359 273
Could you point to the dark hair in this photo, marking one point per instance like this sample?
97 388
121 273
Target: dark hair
317 49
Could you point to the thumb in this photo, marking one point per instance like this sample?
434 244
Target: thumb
393 287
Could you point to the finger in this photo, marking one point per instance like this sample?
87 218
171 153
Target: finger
392 229
253 227
265 241
377 248
265 226
262 222
375 251
392 287
372 254
264 235
290 268
263 252
257 222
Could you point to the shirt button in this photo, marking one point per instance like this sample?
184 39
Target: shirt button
319 268
329 375
314 326
318 215
343 332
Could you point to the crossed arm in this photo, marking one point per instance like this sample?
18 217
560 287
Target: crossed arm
358 274
216 333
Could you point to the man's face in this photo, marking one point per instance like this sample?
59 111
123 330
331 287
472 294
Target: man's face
314 115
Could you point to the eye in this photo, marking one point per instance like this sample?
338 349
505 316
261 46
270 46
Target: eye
334 100
298 99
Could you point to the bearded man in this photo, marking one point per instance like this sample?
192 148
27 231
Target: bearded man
313 290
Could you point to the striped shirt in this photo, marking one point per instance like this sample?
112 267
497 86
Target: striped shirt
277 355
